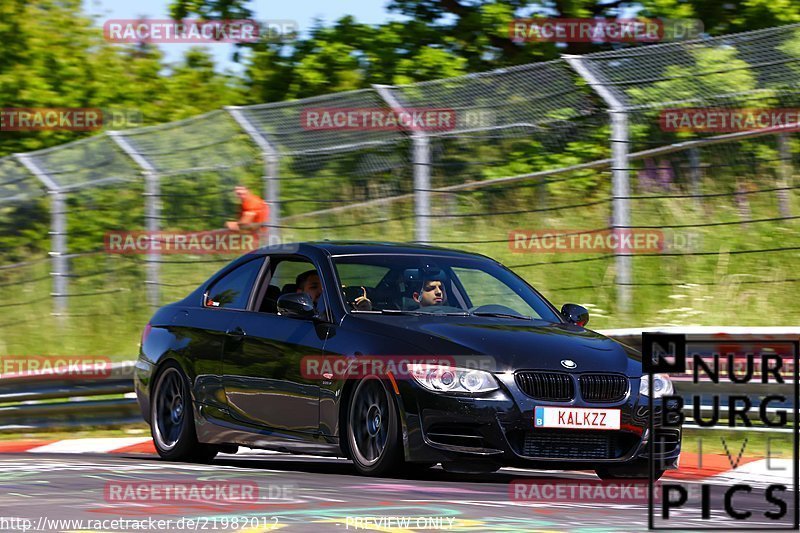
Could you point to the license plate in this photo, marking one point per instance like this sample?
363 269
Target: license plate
576 418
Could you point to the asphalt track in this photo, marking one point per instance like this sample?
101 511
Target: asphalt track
298 493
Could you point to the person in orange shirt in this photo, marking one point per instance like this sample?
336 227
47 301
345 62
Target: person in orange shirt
253 213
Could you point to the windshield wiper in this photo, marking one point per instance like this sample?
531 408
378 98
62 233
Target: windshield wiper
414 312
501 315
428 313
385 312
418 312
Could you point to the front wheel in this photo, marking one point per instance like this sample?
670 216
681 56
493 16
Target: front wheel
172 421
373 434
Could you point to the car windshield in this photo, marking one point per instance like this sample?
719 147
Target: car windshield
442 285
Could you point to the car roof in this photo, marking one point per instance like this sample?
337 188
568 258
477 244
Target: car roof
367 247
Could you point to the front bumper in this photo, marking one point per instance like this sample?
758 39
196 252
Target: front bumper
498 428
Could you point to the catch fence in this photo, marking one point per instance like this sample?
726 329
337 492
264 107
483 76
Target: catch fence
578 145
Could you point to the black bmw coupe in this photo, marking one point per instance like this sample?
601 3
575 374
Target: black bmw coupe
393 355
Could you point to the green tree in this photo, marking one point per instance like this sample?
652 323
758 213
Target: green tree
55 56
437 38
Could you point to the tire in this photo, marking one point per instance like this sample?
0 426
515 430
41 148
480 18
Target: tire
373 429
637 470
172 418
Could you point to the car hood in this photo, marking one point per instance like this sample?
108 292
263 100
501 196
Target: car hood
511 344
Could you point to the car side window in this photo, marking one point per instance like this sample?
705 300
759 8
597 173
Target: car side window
232 291
286 273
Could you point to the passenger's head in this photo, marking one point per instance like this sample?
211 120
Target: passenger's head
431 292
309 283
241 192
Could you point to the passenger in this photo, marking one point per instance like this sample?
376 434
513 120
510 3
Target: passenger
309 283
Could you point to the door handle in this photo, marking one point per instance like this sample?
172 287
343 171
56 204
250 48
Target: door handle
237 333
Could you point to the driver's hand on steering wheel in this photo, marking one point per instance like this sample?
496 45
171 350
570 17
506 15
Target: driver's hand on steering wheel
362 303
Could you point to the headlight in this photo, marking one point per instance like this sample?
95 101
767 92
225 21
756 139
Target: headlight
441 378
662 386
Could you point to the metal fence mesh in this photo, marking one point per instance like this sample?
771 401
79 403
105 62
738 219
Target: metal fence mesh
535 147
86 163
17 184
210 142
287 126
538 98
758 63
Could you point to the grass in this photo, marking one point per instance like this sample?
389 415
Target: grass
723 287
138 430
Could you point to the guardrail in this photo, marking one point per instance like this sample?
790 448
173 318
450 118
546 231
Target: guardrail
40 402
633 336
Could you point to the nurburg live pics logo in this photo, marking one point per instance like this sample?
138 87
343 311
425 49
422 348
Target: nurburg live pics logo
770 364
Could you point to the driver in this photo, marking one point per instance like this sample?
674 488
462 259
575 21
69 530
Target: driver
431 292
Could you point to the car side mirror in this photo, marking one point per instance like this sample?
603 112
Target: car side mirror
575 314
297 304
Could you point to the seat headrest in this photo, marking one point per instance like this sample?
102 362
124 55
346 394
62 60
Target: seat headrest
289 288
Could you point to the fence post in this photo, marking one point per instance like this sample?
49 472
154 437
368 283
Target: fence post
152 195
784 174
421 162
619 175
271 158
422 186
58 235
